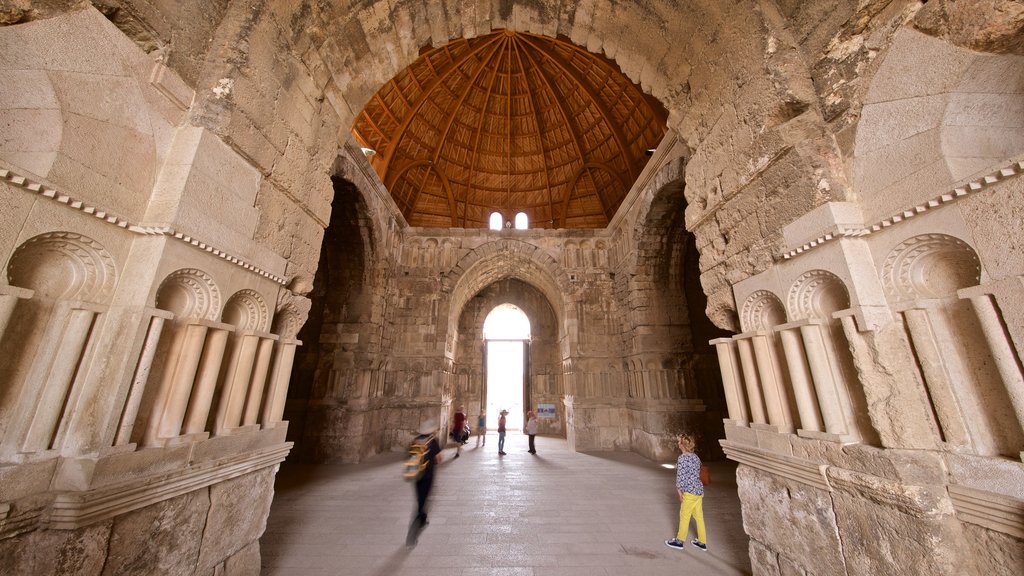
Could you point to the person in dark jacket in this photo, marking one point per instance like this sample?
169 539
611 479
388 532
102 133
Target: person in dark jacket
428 434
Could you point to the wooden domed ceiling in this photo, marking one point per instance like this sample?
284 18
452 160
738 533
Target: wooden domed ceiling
510 122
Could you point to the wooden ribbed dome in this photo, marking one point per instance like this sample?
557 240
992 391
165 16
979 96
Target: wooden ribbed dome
510 122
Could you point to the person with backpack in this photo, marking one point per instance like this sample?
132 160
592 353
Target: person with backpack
690 486
424 456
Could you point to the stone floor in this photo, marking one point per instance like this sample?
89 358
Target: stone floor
556 513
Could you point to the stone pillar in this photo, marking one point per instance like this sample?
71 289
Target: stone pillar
208 372
248 357
750 379
800 377
833 402
37 424
999 344
259 380
728 363
277 388
176 385
140 376
930 357
773 382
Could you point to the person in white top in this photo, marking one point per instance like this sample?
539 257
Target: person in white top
531 429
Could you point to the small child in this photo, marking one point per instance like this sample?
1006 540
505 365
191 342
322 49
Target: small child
691 495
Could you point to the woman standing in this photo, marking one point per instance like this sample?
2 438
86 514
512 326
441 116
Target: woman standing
691 495
531 429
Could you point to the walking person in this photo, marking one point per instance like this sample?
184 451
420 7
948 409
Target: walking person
501 432
459 430
429 449
481 428
531 429
691 495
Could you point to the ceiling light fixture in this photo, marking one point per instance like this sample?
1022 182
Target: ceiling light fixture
368 151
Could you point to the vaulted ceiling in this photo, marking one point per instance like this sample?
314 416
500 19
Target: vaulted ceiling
510 122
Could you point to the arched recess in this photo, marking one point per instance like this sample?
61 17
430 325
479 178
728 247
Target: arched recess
247 310
46 343
817 294
63 266
762 310
502 259
544 362
968 400
665 278
959 116
345 293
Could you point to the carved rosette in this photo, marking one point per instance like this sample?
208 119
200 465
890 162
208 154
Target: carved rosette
189 293
930 266
761 311
64 266
247 310
817 294
291 316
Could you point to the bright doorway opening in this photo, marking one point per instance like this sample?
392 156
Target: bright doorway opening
506 339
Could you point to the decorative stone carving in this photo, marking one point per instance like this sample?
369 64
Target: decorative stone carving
930 266
63 266
761 311
189 293
817 294
247 310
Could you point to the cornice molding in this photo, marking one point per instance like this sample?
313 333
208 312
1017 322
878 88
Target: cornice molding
71 510
789 467
989 510
44 191
1011 171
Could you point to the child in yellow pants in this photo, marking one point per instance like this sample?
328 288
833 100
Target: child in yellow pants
691 496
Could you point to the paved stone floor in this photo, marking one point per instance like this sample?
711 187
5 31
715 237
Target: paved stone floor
557 513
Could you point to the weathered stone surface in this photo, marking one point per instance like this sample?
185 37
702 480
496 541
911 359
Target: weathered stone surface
984 25
56 552
160 538
993 553
888 528
245 562
237 516
792 519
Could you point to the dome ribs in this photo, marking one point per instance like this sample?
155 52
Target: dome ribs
514 122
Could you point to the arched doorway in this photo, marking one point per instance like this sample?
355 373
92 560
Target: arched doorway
506 359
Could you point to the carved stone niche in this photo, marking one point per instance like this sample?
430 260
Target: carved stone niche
63 266
189 293
817 294
247 310
930 266
761 311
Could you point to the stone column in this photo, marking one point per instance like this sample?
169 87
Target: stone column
140 376
832 402
773 382
238 379
930 357
207 374
37 425
728 363
800 377
277 390
750 379
259 380
176 385
1003 352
